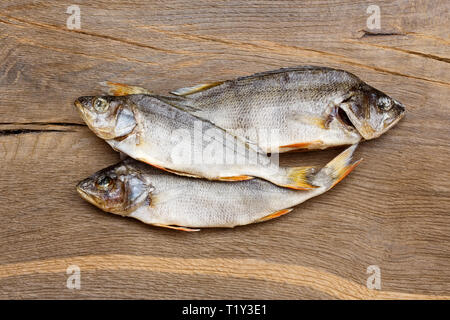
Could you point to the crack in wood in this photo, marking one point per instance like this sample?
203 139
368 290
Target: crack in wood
416 53
64 124
367 34
112 58
10 132
281 49
239 44
93 34
427 36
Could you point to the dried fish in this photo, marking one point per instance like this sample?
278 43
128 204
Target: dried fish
310 107
149 130
155 197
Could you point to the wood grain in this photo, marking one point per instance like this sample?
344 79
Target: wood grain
392 211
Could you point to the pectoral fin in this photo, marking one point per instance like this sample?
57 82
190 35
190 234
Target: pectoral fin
190 90
180 173
275 215
177 228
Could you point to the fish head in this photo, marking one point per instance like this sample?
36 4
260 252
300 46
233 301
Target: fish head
108 117
372 112
116 189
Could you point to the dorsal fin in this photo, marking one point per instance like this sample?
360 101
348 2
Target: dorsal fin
121 89
282 70
200 87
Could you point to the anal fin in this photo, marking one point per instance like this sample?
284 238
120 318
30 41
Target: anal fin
275 215
303 145
179 228
236 178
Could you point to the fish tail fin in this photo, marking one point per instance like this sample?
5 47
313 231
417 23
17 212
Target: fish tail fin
337 169
307 178
121 89
298 178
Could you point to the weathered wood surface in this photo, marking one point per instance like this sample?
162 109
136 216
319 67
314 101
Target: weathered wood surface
392 211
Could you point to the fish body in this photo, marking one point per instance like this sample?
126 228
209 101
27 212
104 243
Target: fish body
155 197
149 130
305 107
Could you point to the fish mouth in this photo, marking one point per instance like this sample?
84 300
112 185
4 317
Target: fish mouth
78 104
400 112
80 109
98 202
85 195
368 132
83 108
89 119
400 116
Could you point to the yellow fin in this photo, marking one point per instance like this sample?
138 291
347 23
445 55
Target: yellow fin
345 171
275 215
341 166
121 89
180 173
190 90
236 178
303 145
177 228
299 178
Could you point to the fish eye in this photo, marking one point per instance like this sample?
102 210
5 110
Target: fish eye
100 104
384 104
104 182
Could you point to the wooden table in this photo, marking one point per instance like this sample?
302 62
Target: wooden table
393 211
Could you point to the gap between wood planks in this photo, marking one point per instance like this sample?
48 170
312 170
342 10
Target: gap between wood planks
16 128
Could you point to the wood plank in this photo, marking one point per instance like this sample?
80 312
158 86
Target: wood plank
151 285
392 211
